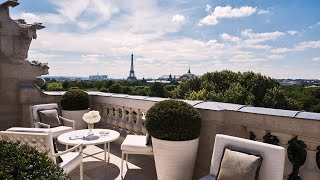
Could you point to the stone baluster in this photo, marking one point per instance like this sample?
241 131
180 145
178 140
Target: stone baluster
116 118
109 112
130 123
104 114
144 130
310 169
123 122
258 133
138 126
283 141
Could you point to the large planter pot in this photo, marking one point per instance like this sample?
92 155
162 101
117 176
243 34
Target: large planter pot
175 159
77 117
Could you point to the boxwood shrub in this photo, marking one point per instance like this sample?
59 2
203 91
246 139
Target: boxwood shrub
75 99
22 162
173 120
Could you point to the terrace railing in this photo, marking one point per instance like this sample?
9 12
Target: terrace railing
298 132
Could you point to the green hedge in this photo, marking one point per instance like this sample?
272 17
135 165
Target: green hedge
22 162
173 120
75 99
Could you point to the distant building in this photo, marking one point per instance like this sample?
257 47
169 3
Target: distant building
169 77
131 73
187 75
98 77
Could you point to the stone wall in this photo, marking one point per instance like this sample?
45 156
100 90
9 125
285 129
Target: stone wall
16 72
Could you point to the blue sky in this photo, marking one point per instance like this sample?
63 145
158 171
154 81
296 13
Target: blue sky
277 38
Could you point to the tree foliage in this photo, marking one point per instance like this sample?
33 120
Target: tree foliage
24 162
246 88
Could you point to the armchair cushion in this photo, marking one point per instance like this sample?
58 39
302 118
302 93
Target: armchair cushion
239 165
50 117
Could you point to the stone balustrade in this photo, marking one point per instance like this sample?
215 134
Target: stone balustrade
297 131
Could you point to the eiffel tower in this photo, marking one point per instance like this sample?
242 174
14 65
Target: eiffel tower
131 73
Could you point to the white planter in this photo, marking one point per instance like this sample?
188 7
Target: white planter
77 117
175 159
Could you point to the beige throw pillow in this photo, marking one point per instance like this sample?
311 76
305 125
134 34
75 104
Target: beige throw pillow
50 117
239 166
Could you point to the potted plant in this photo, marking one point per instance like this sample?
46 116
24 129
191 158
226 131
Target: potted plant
75 103
175 129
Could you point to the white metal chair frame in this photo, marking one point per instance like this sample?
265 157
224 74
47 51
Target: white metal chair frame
42 141
56 131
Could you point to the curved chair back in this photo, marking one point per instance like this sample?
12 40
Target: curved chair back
273 156
34 111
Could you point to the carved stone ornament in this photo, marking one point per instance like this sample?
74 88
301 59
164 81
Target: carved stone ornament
297 155
252 136
271 139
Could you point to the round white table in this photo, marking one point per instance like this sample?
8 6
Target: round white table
73 138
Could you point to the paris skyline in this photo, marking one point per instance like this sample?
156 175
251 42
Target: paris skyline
278 39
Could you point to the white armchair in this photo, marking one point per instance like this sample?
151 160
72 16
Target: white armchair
41 139
68 124
273 156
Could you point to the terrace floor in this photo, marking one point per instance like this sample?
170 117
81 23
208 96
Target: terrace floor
140 167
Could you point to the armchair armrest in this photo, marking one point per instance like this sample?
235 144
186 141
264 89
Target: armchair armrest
69 150
43 125
67 122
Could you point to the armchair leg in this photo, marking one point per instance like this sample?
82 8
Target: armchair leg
81 171
121 170
127 158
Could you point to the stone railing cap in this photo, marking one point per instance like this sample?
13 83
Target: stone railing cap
308 115
269 111
54 93
137 97
218 106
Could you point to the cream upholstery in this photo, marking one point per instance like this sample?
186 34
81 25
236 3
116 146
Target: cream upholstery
56 131
273 156
41 139
134 144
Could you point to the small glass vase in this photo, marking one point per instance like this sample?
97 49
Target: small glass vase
90 127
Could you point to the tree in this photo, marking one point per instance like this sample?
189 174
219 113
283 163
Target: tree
55 86
116 88
233 87
158 90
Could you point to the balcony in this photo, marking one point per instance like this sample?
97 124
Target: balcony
123 113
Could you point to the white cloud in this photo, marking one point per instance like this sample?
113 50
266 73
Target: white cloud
263 11
281 50
47 18
307 45
246 57
227 12
228 37
275 57
292 32
314 25
208 8
261 36
178 18
316 58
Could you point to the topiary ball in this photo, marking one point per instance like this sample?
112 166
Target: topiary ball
24 162
75 99
173 120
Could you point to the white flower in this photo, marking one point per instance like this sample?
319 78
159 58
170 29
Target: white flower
91 117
